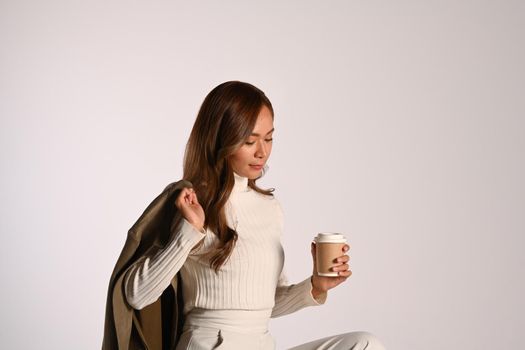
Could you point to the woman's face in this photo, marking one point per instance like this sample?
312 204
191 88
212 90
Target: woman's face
249 159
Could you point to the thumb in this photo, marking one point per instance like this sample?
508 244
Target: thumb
313 250
193 197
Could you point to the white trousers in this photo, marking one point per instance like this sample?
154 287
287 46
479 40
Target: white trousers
248 329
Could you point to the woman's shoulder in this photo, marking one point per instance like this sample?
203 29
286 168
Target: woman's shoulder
270 197
273 200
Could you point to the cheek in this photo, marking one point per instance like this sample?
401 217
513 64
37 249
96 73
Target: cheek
242 155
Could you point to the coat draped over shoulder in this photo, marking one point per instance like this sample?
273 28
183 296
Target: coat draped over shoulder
158 325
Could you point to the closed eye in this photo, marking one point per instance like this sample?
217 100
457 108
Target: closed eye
251 143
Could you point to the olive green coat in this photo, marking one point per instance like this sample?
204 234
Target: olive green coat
158 325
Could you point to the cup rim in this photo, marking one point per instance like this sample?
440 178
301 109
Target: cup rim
330 237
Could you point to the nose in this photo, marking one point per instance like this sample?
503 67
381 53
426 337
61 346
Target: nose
261 151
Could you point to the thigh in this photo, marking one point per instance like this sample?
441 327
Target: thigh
242 341
220 339
344 341
200 339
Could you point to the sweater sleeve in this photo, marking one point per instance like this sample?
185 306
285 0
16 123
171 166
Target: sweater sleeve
148 277
293 297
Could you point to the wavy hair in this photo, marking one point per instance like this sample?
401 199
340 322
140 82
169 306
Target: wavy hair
225 120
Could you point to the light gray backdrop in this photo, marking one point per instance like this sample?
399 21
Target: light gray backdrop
399 123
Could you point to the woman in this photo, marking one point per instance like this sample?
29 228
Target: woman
228 248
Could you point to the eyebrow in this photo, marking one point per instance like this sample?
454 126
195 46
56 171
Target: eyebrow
256 134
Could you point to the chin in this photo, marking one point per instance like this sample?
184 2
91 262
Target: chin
253 174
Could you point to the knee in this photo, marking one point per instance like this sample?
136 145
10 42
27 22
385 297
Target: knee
361 341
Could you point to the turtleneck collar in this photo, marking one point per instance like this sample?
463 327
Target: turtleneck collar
241 183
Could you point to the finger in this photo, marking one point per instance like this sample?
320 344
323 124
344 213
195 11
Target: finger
346 248
344 258
181 195
185 196
347 273
339 264
342 267
185 192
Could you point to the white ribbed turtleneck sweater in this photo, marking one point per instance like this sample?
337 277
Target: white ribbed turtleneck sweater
251 279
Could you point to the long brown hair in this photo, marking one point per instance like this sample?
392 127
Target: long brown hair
225 121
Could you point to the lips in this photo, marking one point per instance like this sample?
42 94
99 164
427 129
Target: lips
257 166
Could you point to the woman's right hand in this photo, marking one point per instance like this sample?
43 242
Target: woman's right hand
192 211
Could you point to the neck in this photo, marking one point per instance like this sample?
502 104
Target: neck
241 183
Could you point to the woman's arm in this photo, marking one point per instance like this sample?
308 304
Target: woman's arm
291 298
148 277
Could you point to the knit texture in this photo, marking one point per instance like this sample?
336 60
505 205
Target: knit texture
252 278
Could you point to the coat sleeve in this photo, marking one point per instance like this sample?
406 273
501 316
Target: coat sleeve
149 276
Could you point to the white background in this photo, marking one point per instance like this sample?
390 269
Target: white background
398 123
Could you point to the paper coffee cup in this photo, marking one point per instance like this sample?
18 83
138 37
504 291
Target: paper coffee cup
329 246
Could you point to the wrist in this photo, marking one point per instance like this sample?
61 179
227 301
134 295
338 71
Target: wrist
199 227
315 291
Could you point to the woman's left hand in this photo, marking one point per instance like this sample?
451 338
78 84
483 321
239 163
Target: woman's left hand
322 284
